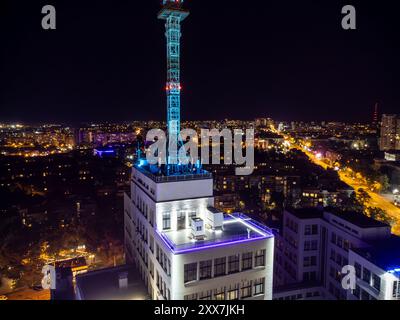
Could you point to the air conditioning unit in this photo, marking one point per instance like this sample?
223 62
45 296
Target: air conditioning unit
215 219
198 231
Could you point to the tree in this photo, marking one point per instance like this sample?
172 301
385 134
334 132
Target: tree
363 197
380 215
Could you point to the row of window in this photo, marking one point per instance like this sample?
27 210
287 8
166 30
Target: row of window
162 287
361 294
369 277
338 258
340 242
311 229
145 210
310 261
300 296
203 270
163 260
311 245
234 292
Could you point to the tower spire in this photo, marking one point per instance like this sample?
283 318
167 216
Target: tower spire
173 13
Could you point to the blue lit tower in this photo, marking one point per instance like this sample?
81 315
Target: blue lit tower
173 13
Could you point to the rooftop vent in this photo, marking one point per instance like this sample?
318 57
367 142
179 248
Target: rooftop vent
198 231
123 280
215 218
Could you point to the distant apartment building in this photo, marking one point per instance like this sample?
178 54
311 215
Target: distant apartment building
314 245
390 132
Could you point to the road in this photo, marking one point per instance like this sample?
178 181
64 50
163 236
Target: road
376 201
29 294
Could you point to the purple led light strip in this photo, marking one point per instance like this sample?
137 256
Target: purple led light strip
171 246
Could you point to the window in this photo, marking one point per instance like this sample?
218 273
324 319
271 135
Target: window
333 238
205 269
219 267
365 295
333 255
314 245
219 294
259 285
192 215
246 290
396 289
357 266
311 230
191 296
233 293
357 292
247 261
260 258
310 261
206 296
190 273
346 245
366 275
233 264
340 242
309 276
376 282
339 259
166 221
152 244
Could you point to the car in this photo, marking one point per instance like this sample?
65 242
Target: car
3 298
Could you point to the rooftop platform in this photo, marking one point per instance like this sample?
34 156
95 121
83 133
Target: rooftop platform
104 284
237 228
306 213
358 219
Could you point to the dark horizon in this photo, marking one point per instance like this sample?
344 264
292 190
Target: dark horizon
285 61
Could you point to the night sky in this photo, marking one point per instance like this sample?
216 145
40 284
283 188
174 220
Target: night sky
289 60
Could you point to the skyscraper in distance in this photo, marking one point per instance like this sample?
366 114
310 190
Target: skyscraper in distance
390 132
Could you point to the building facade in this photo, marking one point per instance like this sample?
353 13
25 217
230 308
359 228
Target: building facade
390 132
313 246
184 248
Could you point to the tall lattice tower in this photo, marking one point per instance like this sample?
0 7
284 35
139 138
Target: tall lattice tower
173 13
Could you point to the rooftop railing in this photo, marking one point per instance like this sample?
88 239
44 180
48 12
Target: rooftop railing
174 178
263 232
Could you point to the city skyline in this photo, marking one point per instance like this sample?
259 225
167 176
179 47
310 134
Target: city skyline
101 207
289 63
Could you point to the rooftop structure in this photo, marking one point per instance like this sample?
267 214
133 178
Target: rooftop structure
237 228
314 245
173 13
118 283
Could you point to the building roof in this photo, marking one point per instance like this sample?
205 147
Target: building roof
104 284
385 254
358 219
307 213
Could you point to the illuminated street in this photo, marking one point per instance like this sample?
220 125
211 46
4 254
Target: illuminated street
377 200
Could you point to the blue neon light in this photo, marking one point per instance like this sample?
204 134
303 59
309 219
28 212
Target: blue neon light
396 270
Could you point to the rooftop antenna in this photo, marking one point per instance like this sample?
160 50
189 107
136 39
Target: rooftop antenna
173 13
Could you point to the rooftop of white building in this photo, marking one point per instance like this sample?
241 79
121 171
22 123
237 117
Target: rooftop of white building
385 254
237 228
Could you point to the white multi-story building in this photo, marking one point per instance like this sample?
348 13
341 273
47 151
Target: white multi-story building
186 249
314 245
